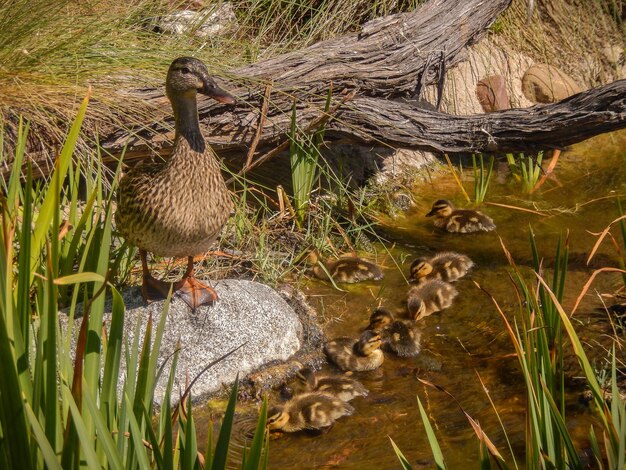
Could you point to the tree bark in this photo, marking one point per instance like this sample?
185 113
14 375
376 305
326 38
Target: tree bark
379 72
390 57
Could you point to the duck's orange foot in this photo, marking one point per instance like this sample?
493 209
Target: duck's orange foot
194 292
152 289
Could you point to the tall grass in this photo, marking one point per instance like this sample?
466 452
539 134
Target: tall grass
59 411
539 341
525 169
482 176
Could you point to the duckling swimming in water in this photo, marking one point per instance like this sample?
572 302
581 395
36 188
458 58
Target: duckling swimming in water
429 297
311 411
447 266
356 355
459 220
342 386
401 337
348 269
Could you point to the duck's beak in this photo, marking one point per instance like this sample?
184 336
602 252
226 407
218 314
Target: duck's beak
210 88
431 213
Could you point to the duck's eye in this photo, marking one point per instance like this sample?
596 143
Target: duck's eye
184 70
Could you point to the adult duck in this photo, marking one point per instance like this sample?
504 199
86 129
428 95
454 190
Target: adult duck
178 207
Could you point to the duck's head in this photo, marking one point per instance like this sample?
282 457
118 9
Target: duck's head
306 376
441 208
368 342
420 268
312 257
380 318
277 417
418 309
188 76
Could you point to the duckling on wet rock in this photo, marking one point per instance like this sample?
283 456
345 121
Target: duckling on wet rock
342 386
178 207
356 355
309 411
459 220
401 337
348 269
429 297
447 266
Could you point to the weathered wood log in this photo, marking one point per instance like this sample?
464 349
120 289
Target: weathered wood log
390 57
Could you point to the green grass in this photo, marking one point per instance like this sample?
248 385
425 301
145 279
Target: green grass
539 336
482 177
526 169
59 411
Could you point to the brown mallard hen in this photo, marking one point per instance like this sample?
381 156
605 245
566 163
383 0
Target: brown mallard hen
178 207
459 220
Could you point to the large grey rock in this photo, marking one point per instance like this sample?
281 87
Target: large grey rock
247 313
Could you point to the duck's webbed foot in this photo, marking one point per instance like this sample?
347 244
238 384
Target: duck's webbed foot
194 292
153 290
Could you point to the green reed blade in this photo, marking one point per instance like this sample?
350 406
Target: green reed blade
256 448
190 456
47 452
138 449
105 440
85 442
403 460
432 438
111 372
220 455
48 206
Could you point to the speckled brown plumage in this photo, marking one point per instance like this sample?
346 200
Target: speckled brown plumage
178 207
459 220
174 208
429 297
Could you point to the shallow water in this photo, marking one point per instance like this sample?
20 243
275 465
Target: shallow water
467 343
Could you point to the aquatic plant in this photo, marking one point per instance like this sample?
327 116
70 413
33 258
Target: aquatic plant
525 168
305 152
59 411
539 344
481 177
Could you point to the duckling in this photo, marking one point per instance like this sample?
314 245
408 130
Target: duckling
401 337
343 387
429 297
311 411
447 266
356 355
178 207
349 269
459 220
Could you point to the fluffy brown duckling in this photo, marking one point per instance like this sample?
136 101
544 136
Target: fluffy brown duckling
309 411
459 220
401 337
348 269
429 297
342 386
356 355
447 266
178 207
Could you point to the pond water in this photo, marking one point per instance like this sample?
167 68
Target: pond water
467 343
